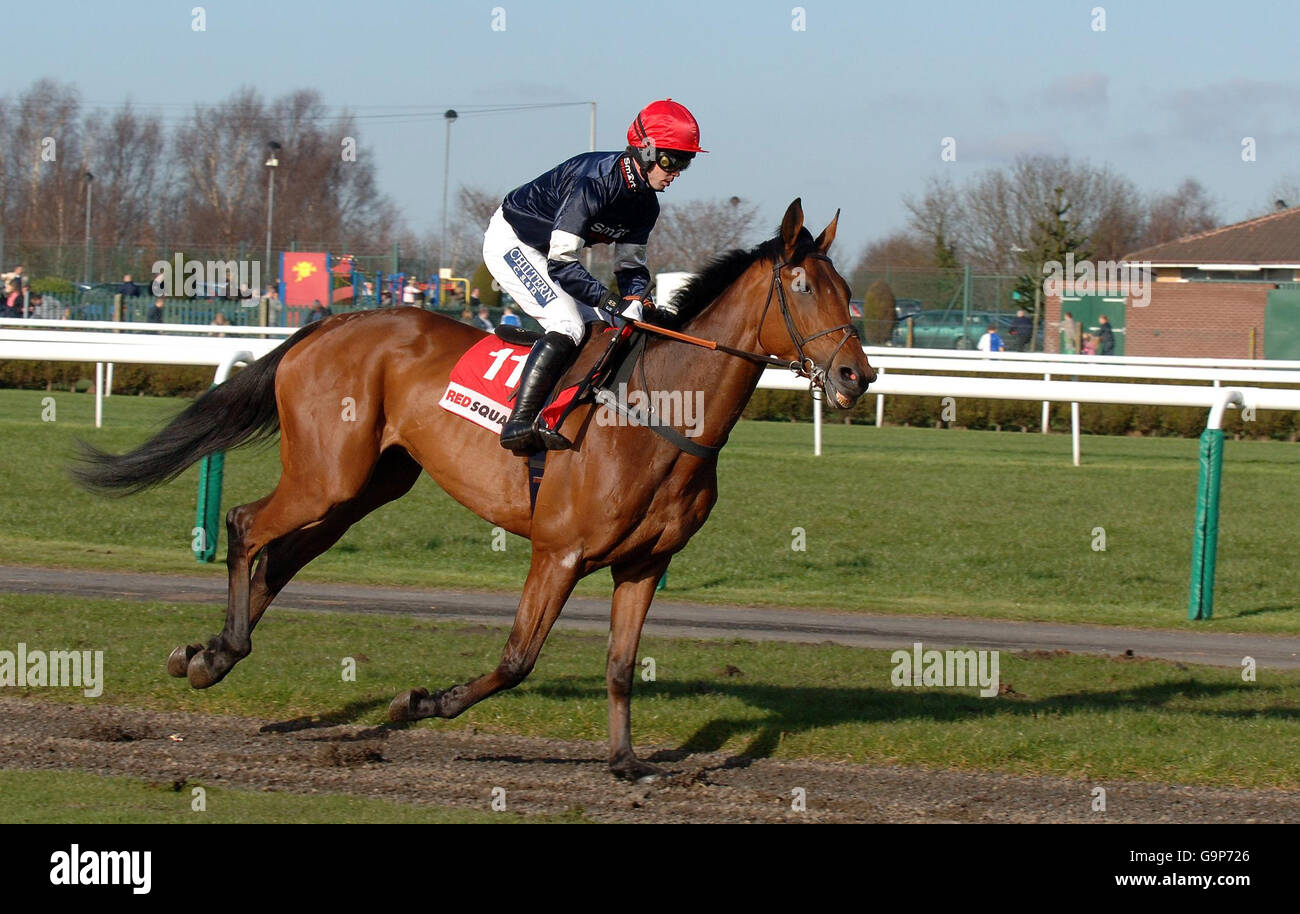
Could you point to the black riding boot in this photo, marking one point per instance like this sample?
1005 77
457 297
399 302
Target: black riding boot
549 359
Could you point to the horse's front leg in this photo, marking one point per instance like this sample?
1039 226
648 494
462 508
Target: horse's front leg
550 581
634 589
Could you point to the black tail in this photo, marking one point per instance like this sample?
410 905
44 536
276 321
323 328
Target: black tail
240 410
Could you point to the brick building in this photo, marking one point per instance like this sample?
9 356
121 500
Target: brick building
1233 292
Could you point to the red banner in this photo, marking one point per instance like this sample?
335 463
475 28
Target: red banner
305 279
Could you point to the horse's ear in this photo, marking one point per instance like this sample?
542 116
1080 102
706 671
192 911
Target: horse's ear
827 236
791 225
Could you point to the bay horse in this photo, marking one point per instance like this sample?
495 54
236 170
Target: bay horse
623 498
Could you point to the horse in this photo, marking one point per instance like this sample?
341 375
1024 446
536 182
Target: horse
623 498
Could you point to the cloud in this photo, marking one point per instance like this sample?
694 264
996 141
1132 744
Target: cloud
1078 90
1255 107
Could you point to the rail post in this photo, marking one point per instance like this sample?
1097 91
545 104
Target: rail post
1205 543
207 510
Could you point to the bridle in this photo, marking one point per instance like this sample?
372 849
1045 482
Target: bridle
803 366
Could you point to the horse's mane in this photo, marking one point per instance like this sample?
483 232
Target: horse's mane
705 287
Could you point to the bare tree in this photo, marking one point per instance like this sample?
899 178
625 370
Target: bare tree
1286 191
127 154
1186 211
939 216
901 249
44 199
689 235
474 209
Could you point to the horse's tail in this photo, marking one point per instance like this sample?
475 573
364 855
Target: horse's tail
237 411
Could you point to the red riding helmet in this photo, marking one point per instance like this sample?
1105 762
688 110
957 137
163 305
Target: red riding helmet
664 125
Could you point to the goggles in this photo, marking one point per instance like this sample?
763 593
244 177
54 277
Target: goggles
673 161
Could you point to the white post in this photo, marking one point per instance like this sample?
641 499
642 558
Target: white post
1047 408
817 423
99 394
880 402
1074 430
108 381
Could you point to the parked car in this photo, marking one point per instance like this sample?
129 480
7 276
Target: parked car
948 330
907 307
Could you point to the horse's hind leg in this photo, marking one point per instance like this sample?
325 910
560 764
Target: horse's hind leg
550 581
288 529
394 475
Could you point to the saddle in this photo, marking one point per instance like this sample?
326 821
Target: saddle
600 384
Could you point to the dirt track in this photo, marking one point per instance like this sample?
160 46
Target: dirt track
423 764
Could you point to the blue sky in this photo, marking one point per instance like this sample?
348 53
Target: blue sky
849 113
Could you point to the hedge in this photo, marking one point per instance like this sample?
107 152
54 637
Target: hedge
148 380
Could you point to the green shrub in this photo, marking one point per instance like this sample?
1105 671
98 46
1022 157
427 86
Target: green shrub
482 280
878 314
150 380
52 285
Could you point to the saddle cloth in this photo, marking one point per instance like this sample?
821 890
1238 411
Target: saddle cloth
484 380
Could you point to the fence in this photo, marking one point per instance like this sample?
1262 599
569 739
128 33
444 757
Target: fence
899 375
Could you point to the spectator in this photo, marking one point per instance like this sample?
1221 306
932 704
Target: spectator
1069 335
473 299
410 292
467 317
318 312
129 289
156 312
220 321
1022 328
509 318
36 306
1105 337
990 341
13 301
1089 344
274 307
484 321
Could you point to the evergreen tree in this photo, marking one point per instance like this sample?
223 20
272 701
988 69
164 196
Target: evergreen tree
1053 237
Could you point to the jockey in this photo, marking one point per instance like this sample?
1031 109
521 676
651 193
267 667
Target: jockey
534 240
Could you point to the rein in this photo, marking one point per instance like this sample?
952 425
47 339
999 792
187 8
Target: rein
803 366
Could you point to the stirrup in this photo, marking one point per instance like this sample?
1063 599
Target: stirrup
550 438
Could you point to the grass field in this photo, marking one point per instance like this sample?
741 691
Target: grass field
896 520
58 797
1070 715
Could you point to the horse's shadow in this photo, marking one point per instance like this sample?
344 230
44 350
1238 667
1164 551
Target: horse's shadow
796 709
804 709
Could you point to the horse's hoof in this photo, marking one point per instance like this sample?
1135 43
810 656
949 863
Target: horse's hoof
406 706
179 661
200 672
633 769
